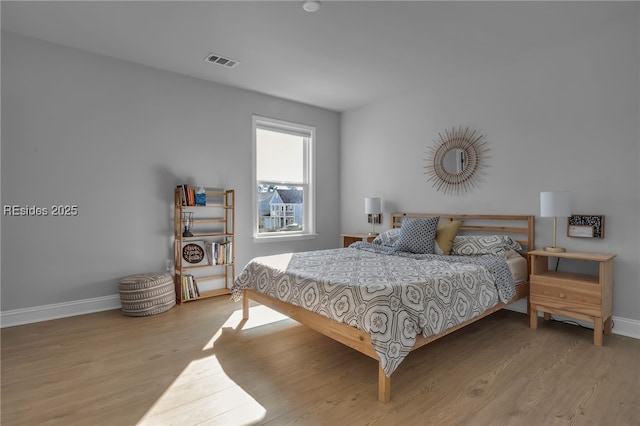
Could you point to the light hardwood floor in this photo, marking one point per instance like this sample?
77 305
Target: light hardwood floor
194 365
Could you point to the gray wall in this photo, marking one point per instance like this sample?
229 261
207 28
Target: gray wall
114 138
561 116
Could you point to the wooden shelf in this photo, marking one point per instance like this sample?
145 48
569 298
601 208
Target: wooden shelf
201 221
201 236
209 293
211 279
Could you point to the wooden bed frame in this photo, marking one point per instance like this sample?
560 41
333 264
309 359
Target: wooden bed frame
360 340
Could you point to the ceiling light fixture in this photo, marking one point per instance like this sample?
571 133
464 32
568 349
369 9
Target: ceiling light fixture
311 5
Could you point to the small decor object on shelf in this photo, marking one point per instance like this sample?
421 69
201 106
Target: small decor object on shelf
201 197
585 226
193 253
187 221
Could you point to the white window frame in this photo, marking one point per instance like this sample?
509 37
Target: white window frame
309 198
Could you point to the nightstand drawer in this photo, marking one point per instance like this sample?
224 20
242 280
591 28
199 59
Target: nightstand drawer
578 297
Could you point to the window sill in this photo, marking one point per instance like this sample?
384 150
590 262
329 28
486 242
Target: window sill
282 238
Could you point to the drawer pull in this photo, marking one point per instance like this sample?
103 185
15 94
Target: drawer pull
562 295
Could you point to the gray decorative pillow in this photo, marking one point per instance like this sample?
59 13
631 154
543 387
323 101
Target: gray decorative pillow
417 235
388 237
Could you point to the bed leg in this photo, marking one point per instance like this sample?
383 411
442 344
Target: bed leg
384 385
245 306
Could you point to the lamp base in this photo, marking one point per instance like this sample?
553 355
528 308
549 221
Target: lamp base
373 234
187 234
555 249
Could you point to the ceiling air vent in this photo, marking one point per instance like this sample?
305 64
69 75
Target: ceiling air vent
221 60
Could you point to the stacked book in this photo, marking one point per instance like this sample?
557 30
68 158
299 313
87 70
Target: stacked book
188 195
189 287
218 253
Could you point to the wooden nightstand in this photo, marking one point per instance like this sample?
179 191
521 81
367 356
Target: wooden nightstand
585 297
348 239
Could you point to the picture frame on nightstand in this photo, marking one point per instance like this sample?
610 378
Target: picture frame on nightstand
585 226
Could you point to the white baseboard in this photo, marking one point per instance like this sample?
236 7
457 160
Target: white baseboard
622 326
59 310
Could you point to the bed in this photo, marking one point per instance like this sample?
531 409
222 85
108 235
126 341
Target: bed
427 276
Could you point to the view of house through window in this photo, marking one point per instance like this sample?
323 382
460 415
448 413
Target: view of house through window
280 208
283 178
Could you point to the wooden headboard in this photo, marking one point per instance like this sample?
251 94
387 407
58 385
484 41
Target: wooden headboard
519 227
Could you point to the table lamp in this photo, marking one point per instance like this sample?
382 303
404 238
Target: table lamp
373 208
555 204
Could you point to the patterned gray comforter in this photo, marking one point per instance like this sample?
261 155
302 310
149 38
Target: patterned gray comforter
392 295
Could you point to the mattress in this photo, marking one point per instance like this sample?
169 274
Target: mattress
518 266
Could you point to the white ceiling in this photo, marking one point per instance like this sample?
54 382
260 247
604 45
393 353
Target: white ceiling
347 54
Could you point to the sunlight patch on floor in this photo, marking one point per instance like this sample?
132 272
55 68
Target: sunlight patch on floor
203 393
258 317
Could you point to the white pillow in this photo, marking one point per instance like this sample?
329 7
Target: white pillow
477 245
388 237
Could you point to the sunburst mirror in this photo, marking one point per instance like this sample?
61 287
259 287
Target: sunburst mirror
455 160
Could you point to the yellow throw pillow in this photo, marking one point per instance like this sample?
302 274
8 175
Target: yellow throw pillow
445 233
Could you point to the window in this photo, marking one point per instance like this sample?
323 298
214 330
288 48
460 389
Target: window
284 199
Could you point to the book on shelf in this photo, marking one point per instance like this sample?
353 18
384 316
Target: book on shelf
188 194
218 253
184 194
213 196
189 287
191 196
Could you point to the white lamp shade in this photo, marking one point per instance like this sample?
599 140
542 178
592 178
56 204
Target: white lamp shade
555 204
373 205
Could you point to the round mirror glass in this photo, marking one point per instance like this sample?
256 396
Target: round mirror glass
454 161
